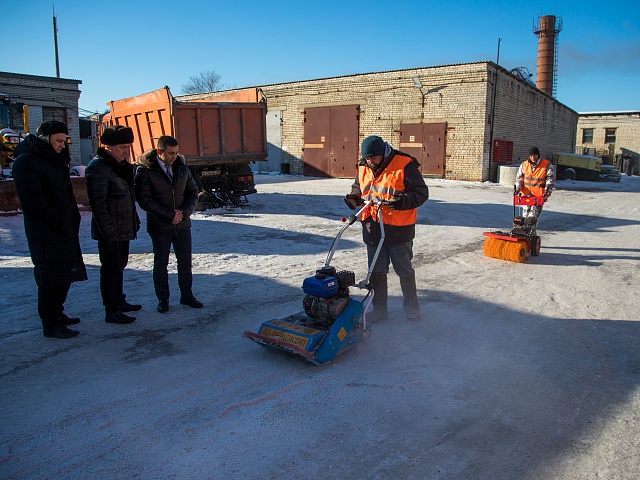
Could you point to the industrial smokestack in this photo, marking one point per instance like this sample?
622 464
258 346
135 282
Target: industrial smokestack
547 31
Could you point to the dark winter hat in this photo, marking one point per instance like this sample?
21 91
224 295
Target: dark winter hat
534 151
51 127
372 146
116 135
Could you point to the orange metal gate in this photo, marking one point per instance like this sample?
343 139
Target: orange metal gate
425 142
331 141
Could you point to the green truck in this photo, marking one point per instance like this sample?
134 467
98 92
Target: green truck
571 166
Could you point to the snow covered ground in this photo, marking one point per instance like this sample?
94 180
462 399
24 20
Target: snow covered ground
516 371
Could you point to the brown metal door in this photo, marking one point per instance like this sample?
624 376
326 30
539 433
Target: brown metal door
411 141
425 142
433 143
343 157
317 130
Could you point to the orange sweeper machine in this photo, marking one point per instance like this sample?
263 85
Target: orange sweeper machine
522 239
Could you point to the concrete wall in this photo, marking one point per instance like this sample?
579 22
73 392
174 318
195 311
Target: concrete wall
38 92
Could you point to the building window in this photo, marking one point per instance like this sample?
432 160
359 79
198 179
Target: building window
609 135
54 113
587 135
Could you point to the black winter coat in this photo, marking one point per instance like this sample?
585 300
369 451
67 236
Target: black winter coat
50 212
110 190
159 197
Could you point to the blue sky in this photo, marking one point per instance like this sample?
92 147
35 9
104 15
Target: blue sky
123 48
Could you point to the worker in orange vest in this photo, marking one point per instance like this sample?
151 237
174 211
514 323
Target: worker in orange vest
392 177
535 177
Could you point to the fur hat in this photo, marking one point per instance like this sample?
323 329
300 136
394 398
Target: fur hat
372 146
534 151
51 127
116 135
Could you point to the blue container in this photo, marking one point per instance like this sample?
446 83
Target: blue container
320 285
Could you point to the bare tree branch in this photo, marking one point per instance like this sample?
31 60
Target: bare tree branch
204 82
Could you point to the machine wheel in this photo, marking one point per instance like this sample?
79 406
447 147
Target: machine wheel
535 246
569 174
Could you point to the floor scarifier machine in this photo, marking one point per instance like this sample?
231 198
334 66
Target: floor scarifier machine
332 320
522 239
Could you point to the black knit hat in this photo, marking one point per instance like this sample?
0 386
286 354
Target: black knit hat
372 146
534 151
116 135
51 127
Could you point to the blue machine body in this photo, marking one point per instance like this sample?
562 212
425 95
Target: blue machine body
316 345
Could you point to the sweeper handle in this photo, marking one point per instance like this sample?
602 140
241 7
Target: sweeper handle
350 220
365 282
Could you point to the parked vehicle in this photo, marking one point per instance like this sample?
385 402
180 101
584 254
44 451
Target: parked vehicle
571 166
609 173
217 139
77 170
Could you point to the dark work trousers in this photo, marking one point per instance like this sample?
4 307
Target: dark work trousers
399 255
51 304
181 241
113 263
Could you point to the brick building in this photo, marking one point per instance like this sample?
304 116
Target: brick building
48 98
614 134
448 117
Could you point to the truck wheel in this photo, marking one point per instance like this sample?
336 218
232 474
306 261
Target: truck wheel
535 246
569 174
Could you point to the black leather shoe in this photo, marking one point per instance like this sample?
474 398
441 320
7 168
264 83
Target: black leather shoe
163 306
119 317
68 320
59 331
128 307
193 302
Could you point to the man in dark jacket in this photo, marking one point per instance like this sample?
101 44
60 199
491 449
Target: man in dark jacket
115 221
394 178
166 190
51 222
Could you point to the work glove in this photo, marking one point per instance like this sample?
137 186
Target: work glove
398 202
547 194
353 201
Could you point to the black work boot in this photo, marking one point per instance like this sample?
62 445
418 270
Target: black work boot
379 283
410 303
59 331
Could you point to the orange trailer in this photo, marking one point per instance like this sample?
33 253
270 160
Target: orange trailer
217 139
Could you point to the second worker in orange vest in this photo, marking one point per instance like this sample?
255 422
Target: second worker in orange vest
393 177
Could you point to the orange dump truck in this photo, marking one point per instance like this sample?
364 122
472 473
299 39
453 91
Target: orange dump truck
217 139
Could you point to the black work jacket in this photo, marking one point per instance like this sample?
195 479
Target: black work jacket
415 194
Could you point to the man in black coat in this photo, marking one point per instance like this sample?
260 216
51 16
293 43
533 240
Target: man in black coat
115 221
51 222
166 190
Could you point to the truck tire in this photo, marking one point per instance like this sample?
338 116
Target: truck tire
569 174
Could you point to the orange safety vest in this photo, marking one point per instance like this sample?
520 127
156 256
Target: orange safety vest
534 178
390 182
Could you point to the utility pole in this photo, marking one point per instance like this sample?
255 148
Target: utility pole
493 111
55 42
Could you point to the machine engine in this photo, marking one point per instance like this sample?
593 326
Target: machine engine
327 293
